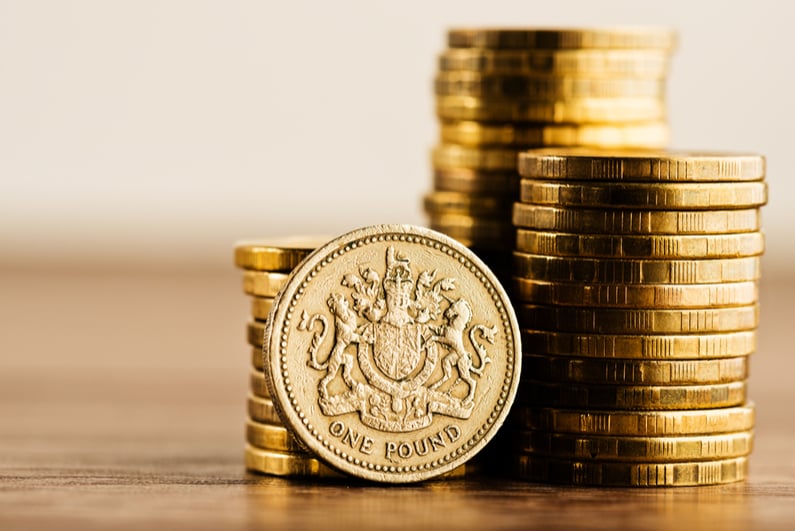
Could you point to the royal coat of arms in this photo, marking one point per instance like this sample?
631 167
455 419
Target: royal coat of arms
402 349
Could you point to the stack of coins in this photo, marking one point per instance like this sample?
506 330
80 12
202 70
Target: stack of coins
270 448
635 276
500 91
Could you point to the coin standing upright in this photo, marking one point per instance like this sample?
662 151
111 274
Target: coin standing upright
393 354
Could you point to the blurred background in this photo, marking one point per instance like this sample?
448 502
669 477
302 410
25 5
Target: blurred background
155 134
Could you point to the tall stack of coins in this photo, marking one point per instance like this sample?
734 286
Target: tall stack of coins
499 91
635 280
270 447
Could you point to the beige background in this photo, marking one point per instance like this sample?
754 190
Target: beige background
159 132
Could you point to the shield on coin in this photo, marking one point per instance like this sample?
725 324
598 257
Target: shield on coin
397 349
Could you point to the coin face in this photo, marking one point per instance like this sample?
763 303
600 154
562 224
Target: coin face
393 354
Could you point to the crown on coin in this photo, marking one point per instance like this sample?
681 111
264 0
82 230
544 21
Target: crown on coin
397 278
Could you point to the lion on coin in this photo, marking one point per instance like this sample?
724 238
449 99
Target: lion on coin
451 335
345 333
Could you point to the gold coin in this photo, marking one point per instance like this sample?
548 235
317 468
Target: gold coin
255 331
576 111
475 232
692 346
276 463
630 449
441 203
641 135
652 246
263 283
636 423
278 254
256 358
452 156
363 349
261 307
617 474
636 295
646 321
294 464
663 196
635 270
640 397
636 221
634 372
262 410
546 88
270 437
593 63
583 164
260 389
553 39
501 184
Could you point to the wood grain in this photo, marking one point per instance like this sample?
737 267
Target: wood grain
122 399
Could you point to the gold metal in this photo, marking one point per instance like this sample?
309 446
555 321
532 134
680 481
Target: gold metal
546 88
654 246
635 270
562 38
665 449
286 464
475 232
636 295
261 307
634 372
365 359
651 196
263 283
636 423
641 346
255 331
452 156
256 358
260 389
648 63
583 164
629 397
262 410
617 474
500 184
646 321
270 437
576 111
615 221
441 203
640 135
294 464
278 254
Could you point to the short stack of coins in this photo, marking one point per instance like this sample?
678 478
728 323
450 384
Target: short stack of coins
270 448
636 286
499 91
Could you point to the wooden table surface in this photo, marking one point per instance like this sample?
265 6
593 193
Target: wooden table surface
122 399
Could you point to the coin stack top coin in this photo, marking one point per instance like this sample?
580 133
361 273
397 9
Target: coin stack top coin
636 283
499 91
